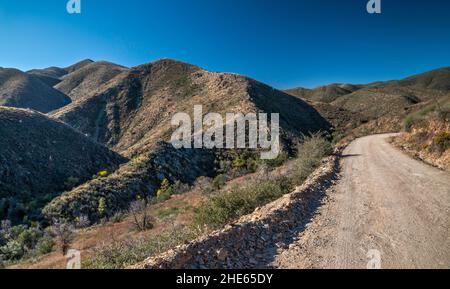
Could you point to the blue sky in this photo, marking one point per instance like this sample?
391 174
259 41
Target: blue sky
283 43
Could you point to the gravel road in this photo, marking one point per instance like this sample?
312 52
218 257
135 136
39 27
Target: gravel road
387 210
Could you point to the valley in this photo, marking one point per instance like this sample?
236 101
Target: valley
88 146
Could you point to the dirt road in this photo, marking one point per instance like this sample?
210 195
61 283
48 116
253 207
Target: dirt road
385 202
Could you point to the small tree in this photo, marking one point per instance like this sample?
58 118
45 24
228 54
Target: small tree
142 221
82 221
163 192
204 185
101 206
64 234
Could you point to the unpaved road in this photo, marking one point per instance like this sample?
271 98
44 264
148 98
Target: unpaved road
384 201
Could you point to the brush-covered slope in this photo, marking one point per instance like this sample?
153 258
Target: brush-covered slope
326 94
41 157
52 75
397 98
132 114
85 80
438 79
133 111
21 90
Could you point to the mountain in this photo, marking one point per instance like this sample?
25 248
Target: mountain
84 80
327 93
132 115
390 100
133 111
438 79
22 90
52 75
78 65
40 158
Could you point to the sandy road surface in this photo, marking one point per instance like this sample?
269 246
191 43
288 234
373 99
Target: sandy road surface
384 201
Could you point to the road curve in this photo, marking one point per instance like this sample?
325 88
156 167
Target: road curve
384 202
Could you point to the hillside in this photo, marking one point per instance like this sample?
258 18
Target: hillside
397 97
52 75
326 93
22 90
380 102
427 133
40 158
438 79
132 113
84 80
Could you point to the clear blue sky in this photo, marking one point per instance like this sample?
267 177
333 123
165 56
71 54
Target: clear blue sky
283 43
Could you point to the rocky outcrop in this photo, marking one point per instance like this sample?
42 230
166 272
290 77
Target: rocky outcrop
252 241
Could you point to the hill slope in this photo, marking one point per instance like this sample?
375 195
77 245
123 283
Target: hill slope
18 89
85 80
326 94
52 75
40 158
133 111
132 115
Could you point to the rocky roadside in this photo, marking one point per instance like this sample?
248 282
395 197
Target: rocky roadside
254 240
440 161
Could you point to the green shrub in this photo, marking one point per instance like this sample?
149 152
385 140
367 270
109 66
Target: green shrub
408 123
45 245
219 181
278 161
204 184
12 250
442 141
119 255
221 209
310 154
101 209
164 193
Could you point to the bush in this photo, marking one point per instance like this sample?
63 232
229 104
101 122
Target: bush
82 222
21 241
204 184
12 250
119 255
64 234
179 188
442 141
164 193
310 154
101 209
103 174
142 221
221 209
45 245
408 123
219 181
277 162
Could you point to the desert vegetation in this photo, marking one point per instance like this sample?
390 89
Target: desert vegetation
427 134
220 207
